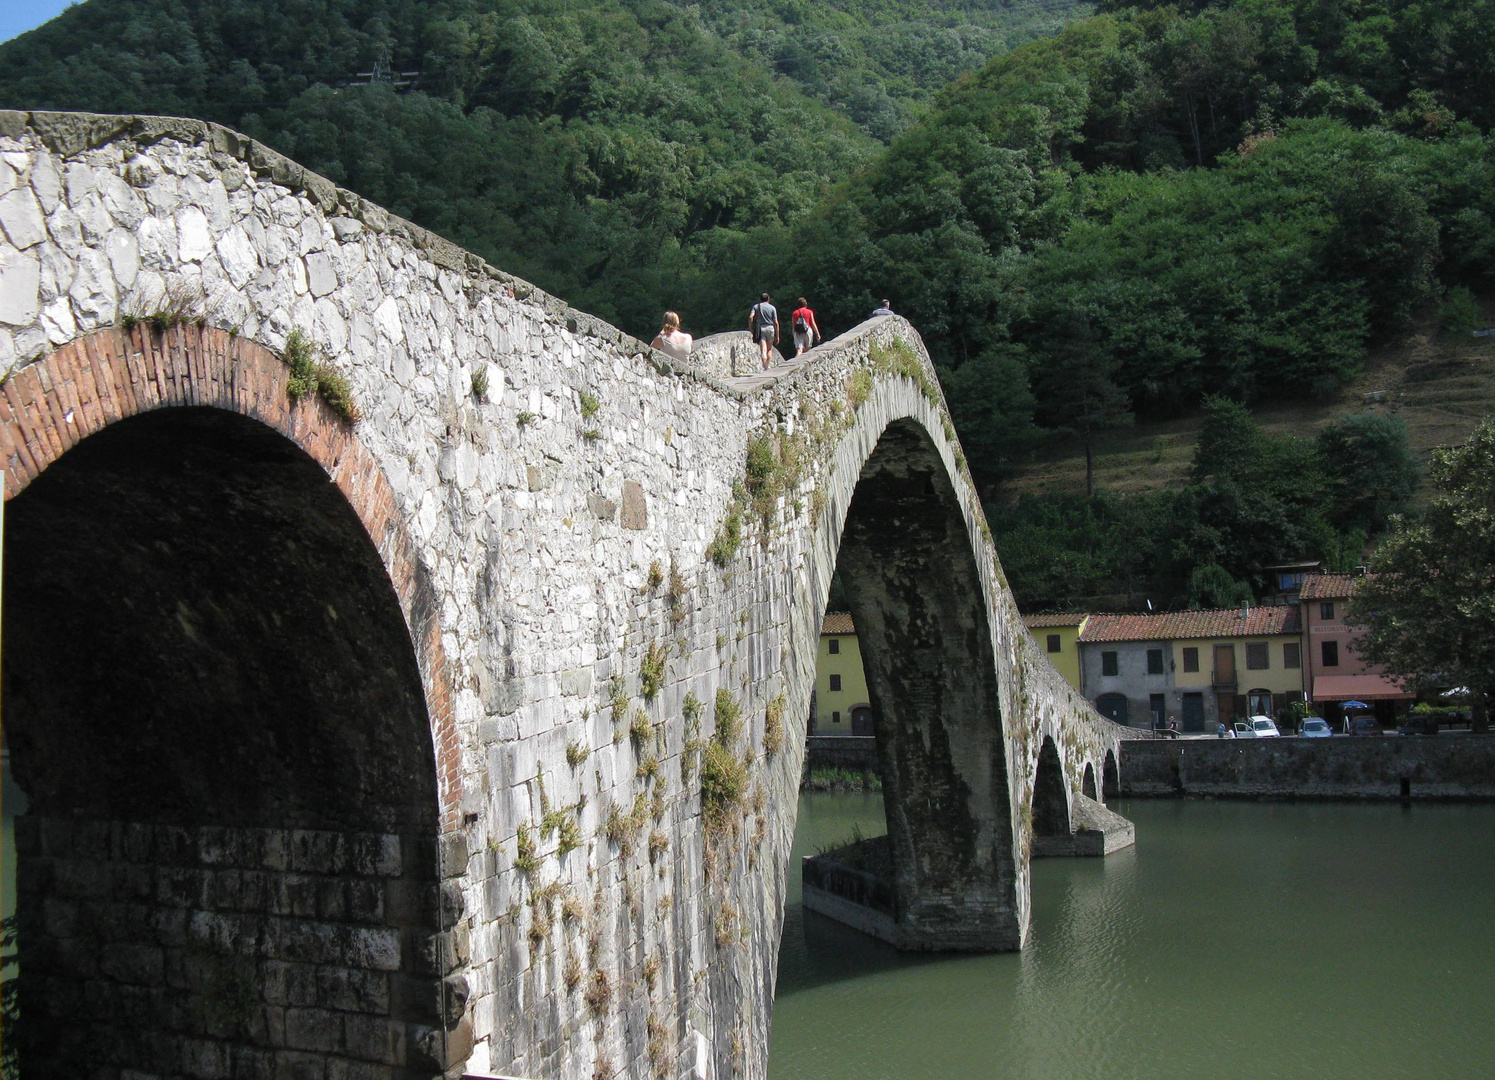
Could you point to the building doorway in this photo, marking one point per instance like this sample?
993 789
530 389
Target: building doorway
1112 707
1193 706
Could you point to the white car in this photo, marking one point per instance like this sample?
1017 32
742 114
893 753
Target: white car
1264 727
1315 727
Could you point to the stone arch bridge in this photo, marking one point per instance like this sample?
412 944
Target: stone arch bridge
466 736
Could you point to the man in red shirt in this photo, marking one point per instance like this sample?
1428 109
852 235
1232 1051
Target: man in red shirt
806 330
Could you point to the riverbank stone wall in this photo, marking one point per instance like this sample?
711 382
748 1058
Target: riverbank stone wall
1460 766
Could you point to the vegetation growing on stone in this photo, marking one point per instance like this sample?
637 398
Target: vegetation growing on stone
648 768
480 382
525 858
591 434
723 548
524 418
642 728
724 776
589 404
311 376
773 727
577 752
655 578
599 993
651 670
623 828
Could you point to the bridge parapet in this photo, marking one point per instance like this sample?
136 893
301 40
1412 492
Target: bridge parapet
612 568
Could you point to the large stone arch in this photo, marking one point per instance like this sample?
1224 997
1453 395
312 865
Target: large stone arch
218 695
926 640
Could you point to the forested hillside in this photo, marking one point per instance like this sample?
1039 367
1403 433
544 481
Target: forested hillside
609 151
1155 208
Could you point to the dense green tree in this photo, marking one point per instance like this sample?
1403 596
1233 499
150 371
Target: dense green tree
993 407
1371 471
1428 613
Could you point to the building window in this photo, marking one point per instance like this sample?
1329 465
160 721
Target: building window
1259 702
1256 656
1330 652
1108 663
1326 610
1154 661
835 718
1191 659
1054 643
835 646
1157 704
1291 656
835 682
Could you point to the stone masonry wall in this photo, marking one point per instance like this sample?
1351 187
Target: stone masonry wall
1448 767
574 526
222 952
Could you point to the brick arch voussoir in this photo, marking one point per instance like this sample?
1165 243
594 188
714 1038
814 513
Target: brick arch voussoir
87 384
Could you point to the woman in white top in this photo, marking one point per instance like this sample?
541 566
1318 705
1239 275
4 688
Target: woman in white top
671 340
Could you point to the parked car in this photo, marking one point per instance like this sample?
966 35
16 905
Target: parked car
1242 730
1363 725
1264 727
1314 727
1420 724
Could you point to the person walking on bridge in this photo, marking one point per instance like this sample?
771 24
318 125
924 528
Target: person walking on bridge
806 329
884 309
763 324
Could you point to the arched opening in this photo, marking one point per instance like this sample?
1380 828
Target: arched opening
1051 832
1087 784
1110 777
1112 707
908 575
228 864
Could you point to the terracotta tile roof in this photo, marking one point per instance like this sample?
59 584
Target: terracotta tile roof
1327 586
837 622
1038 622
1168 625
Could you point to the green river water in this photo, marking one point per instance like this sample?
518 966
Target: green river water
1237 939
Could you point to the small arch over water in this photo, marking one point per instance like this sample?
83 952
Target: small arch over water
1051 830
1110 777
1087 783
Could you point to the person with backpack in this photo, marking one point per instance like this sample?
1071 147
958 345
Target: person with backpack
763 324
806 329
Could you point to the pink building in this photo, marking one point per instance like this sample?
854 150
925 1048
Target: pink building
1333 671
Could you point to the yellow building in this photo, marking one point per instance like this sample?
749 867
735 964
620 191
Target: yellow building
1057 636
1201 668
842 706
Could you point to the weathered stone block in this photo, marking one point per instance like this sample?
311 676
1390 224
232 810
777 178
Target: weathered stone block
635 507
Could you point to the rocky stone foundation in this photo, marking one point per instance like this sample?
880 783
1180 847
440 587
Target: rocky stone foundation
220 952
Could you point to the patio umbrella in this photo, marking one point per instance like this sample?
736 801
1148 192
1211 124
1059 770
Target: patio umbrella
1353 705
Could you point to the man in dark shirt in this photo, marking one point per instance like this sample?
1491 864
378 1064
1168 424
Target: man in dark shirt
763 324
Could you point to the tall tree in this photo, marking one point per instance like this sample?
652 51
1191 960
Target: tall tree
1076 380
1428 613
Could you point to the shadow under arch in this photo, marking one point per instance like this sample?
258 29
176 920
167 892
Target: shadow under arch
1110 777
215 705
918 604
1087 783
1051 830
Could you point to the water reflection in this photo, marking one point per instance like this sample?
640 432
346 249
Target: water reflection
1236 940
